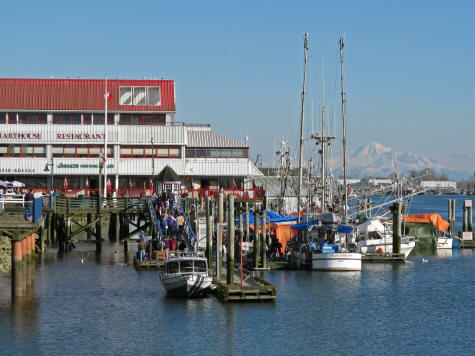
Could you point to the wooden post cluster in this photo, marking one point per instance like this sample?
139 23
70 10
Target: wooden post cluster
256 237
263 240
467 215
209 231
23 265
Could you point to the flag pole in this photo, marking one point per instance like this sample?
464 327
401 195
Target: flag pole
106 95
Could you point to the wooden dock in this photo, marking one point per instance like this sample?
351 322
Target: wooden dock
149 265
383 258
253 289
467 243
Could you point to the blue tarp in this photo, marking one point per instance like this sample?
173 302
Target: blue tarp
274 218
303 226
345 229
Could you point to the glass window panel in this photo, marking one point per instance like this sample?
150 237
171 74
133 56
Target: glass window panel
98 119
174 152
3 118
75 118
154 96
162 152
57 149
139 95
125 96
200 153
39 149
190 153
125 151
11 118
69 150
215 153
87 119
83 150
110 150
137 151
27 149
94 150
3 149
149 152
15 150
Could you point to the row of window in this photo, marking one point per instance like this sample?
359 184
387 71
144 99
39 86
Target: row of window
139 96
85 151
149 152
22 151
82 119
216 153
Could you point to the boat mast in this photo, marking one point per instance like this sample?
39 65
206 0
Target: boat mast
299 196
323 148
343 115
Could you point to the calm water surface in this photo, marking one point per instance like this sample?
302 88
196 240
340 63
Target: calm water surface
104 307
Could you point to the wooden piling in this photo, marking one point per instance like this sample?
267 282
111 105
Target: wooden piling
465 218
209 231
219 242
396 211
246 224
230 249
88 221
263 241
42 239
241 223
117 227
256 238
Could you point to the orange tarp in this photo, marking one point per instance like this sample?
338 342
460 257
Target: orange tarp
435 219
283 233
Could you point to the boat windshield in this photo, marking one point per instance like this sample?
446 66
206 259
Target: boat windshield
172 267
186 266
200 266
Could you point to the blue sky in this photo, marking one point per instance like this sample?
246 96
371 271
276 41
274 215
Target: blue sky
409 73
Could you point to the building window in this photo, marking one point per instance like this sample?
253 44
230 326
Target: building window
22 151
12 118
67 118
154 98
32 118
139 95
3 118
216 153
142 119
98 119
125 96
149 152
81 151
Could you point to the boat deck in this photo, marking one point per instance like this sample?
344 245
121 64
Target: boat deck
383 258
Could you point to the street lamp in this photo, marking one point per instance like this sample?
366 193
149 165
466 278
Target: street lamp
52 179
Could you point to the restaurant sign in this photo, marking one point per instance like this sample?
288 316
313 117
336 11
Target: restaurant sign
77 165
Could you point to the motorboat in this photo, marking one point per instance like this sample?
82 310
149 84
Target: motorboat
375 237
186 276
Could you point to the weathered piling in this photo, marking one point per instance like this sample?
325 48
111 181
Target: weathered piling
256 237
396 211
230 249
452 224
246 224
468 205
209 231
263 240
219 240
42 238
241 223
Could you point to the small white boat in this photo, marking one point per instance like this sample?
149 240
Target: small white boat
445 243
186 276
326 258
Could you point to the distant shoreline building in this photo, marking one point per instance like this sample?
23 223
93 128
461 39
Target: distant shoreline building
63 120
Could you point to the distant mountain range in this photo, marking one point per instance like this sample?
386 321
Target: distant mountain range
375 159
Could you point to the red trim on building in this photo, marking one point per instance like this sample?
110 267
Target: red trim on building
78 95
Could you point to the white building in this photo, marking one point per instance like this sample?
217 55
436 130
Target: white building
60 122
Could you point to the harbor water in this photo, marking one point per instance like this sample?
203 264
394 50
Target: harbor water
88 305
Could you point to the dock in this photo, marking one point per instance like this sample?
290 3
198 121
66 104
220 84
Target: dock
383 258
253 289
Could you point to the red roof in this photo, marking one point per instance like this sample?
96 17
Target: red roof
77 94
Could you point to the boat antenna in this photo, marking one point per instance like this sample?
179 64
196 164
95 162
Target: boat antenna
299 193
343 115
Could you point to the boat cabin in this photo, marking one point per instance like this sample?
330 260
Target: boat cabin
186 266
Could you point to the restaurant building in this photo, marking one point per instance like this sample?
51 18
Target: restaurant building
60 123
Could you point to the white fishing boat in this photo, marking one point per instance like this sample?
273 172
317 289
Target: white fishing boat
445 242
186 276
375 237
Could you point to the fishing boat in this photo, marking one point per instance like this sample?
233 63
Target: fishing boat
186 276
375 237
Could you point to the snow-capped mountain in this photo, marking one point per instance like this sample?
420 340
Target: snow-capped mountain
375 159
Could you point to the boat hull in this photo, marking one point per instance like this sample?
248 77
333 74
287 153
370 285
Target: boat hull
445 243
375 246
340 261
187 285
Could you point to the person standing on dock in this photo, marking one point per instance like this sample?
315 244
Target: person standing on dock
166 244
141 248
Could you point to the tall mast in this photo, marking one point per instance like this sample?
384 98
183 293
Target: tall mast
106 98
343 115
299 197
323 148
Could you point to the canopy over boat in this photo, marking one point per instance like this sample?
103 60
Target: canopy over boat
370 226
436 219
